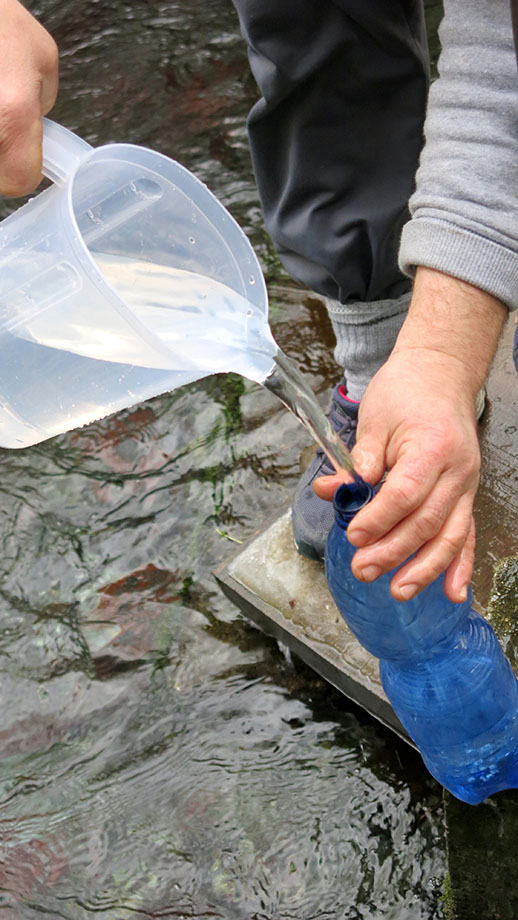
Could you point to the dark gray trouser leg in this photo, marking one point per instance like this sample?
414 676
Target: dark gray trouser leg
336 136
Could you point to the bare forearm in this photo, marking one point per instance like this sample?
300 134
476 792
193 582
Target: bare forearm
456 319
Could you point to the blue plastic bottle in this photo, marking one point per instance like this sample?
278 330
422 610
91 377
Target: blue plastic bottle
441 666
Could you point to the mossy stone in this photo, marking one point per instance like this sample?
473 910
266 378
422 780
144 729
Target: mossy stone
502 609
482 846
483 840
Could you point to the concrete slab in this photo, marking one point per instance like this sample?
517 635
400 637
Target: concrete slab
287 596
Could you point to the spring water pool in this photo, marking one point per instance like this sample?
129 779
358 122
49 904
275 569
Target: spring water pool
160 757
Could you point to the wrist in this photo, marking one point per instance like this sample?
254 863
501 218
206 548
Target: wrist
453 319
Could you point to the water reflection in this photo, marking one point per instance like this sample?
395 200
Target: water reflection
161 758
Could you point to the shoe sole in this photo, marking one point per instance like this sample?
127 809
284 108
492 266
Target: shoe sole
308 551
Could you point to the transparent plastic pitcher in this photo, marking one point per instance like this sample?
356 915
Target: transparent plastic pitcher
125 279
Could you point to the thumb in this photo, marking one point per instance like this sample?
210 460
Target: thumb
326 486
368 457
20 156
369 452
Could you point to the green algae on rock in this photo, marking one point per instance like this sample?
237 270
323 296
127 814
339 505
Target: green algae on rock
502 609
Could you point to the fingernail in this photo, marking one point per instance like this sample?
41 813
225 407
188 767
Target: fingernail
370 572
357 537
463 592
408 591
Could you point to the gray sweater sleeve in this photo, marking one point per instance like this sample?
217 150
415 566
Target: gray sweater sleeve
465 206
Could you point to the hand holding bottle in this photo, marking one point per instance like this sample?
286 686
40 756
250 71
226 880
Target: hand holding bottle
417 420
426 437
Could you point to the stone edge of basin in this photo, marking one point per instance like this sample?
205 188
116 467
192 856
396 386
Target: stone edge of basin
321 656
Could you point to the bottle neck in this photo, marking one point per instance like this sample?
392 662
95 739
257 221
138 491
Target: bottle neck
349 498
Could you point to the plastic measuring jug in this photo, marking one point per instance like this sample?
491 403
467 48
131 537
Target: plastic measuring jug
124 279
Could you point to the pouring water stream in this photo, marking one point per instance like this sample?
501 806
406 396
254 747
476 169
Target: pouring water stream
291 388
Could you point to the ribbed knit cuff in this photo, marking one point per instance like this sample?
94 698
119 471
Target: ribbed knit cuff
367 312
365 336
462 254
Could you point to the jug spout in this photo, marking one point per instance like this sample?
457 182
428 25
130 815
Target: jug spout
63 151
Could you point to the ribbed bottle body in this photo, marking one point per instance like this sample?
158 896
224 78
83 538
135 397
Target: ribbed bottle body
461 709
443 671
387 629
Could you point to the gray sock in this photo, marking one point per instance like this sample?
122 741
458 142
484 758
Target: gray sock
365 336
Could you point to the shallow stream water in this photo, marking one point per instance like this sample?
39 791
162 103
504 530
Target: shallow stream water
160 756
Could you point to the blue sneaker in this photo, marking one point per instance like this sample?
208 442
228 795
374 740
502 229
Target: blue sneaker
312 517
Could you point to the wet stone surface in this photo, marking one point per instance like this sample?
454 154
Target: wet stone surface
482 845
271 568
503 607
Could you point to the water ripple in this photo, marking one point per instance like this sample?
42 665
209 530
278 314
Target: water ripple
160 757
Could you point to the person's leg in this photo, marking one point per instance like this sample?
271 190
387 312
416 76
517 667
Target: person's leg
335 140
336 136
365 335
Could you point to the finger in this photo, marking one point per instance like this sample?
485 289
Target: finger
406 488
326 486
369 454
48 93
436 555
20 149
460 571
409 485
49 77
413 532
369 462
24 98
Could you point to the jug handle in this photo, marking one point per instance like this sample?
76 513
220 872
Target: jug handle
63 151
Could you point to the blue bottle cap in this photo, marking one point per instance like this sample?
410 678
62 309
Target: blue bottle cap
350 497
